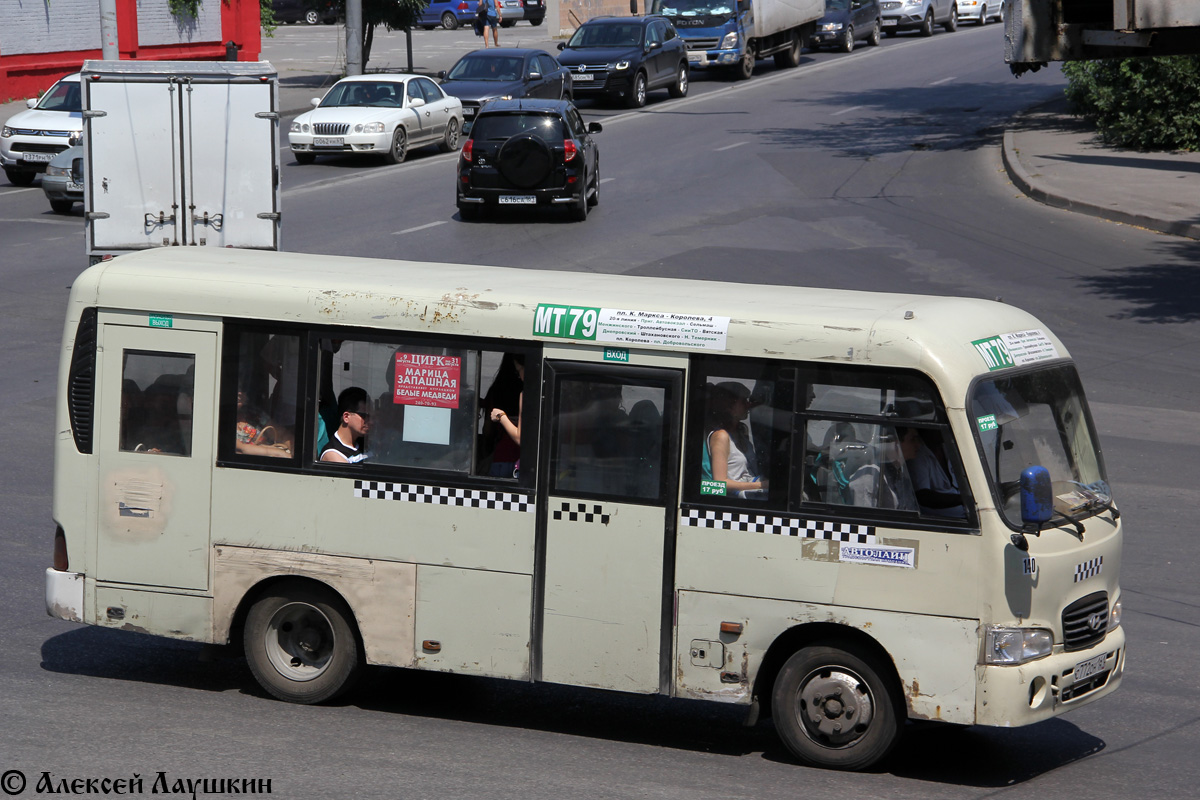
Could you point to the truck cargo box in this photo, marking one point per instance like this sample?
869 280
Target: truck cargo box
180 153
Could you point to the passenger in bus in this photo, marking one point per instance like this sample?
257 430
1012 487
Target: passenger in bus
503 402
932 479
256 436
348 443
728 449
166 418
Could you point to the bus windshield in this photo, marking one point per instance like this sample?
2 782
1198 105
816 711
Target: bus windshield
1040 418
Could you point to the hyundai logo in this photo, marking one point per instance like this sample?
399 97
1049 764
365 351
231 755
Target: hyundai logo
1096 621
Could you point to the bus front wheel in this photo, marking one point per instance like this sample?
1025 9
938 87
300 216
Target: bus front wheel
834 707
301 643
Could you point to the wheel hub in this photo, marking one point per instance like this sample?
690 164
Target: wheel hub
834 707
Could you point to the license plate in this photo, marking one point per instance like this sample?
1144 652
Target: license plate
468 112
1086 669
890 23
74 187
583 77
517 200
698 58
328 141
38 157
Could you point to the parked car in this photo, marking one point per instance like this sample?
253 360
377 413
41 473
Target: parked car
919 15
310 11
377 114
484 75
981 11
450 14
32 138
63 181
626 57
847 21
529 153
511 12
535 11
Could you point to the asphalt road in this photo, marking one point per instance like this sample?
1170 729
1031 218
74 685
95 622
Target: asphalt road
877 170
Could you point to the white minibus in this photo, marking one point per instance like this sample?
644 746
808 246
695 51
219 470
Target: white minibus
845 510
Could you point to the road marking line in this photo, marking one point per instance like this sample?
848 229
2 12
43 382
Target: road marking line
729 146
18 191
420 227
944 80
845 111
47 221
606 180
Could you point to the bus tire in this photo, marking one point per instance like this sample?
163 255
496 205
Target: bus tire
835 707
301 643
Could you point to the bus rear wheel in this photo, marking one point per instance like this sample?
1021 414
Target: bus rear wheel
301 643
834 707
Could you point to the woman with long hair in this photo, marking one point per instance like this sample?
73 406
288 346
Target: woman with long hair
729 452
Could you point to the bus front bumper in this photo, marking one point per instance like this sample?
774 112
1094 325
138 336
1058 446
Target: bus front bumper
1012 696
64 595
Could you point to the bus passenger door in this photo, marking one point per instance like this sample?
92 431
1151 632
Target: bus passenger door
609 481
156 403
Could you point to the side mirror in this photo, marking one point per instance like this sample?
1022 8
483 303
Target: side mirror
562 45
316 101
31 102
416 102
534 76
441 73
1037 496
743 5
633 8
595 127
654 46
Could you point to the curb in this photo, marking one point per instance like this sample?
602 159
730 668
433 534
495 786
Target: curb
1043 193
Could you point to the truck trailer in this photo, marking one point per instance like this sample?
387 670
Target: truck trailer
734 34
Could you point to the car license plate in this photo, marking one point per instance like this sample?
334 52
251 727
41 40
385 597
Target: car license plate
890 23
38 157
697 57
74 187
517 200
583 77
1086 669
468 111
328 141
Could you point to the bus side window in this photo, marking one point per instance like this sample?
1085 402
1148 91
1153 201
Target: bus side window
156 402
741 411
423 400
876 439
267 376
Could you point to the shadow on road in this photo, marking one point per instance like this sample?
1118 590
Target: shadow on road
975 757
1156 293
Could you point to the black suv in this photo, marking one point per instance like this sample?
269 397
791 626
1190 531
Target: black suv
625 57
529 153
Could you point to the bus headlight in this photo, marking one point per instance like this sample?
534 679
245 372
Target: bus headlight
1114 616
1016 645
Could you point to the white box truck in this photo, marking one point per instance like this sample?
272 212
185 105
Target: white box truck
180 153
733 34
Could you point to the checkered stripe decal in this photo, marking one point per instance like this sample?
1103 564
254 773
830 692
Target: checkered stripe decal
780 526
1089 569
581 513
441 495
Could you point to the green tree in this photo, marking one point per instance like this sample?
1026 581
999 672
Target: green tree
395 15
1143 103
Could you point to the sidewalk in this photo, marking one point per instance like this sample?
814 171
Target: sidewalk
1060 161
